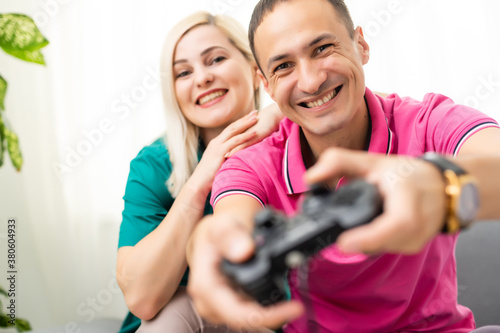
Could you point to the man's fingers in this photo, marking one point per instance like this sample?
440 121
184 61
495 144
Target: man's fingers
371 238
374 236
273 316
242 313
395 228
336 162
214 297
233 240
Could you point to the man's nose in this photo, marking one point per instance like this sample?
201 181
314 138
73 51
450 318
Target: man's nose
310 77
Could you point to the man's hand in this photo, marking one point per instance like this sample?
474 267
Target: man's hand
413 193
216 237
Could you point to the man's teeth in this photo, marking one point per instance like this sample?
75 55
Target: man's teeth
211 97
320 102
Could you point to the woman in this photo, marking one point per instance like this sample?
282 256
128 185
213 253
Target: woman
210 87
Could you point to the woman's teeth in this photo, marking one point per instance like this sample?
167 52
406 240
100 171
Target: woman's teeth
322 101
211 97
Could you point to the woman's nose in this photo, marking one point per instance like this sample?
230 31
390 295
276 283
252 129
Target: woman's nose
203 77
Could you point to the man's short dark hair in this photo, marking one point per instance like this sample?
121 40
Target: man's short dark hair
266 6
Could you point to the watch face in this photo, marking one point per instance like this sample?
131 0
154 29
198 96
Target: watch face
468 204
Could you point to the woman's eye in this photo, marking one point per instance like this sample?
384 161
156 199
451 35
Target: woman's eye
181 74
218 59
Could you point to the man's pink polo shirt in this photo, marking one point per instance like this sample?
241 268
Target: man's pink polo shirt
358 293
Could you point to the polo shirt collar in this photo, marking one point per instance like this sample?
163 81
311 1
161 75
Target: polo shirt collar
381 141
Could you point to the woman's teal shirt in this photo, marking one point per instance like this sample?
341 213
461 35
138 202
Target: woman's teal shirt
147 202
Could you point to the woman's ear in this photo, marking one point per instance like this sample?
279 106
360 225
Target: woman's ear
362 45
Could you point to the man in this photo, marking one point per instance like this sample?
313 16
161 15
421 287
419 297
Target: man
311 62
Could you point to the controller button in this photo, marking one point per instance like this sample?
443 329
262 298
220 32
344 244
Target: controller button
294 259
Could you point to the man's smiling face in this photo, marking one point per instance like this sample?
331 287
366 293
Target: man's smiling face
311 66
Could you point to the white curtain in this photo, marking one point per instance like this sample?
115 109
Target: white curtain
84 116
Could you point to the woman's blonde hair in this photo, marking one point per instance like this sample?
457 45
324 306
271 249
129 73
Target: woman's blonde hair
182 137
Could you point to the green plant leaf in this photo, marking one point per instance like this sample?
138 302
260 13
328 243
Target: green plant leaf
30 56
13 148
19 32
3 90
4 321
22 325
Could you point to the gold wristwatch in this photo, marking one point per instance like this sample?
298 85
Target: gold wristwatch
462 194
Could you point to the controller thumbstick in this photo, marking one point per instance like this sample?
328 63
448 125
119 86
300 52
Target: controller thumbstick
319 189
314 202
264 219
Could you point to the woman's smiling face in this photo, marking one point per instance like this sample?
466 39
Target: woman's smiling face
214 82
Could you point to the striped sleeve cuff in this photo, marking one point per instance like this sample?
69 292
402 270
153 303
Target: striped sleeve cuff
240 192
470 132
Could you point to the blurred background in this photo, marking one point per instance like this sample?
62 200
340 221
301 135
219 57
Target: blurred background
84 116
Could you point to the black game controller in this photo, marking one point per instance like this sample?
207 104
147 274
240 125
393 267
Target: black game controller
283 243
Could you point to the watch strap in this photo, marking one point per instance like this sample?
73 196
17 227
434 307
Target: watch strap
450 224
443 164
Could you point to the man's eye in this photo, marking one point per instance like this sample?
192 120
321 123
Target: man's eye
282 66
322 48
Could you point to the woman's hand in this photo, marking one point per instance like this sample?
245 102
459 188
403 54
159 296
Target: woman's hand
268 122
242 133
236 134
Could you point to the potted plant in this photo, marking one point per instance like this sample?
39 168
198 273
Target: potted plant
19 37
6 320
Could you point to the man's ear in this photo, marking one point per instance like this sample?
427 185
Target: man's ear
265 83
363 47
256 77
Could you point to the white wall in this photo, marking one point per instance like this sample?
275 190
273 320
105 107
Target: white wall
103 50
